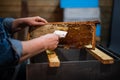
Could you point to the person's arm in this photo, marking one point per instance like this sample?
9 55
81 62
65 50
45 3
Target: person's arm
26 49
13 25
20 23
10 52
37 45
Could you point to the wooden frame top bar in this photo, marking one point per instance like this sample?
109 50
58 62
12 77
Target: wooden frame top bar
76 22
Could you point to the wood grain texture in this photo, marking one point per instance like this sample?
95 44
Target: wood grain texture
43 3
53 59
101 56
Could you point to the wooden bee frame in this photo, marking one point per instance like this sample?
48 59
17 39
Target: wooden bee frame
79 34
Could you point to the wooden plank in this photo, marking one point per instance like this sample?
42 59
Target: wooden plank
52 17
47 15
10 8
10 14
101 56
7 9
53 59
45 10
43 2
10 3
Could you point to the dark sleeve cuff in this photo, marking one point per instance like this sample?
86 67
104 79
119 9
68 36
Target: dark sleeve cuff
7 22
10 52
17 46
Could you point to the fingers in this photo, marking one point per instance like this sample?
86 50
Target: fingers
50 41
52 47
42 20
38 21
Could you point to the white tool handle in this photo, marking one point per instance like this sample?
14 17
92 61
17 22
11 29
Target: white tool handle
62 34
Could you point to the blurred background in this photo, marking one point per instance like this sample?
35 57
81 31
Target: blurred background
61 10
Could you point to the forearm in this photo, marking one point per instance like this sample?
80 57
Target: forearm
37 45
19 24
32 48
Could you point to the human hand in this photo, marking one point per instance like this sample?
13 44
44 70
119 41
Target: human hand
20 23
50 41
38 45
34 21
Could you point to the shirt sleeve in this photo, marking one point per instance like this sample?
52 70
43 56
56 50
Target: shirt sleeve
10 52
17 46
7 22
10 49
